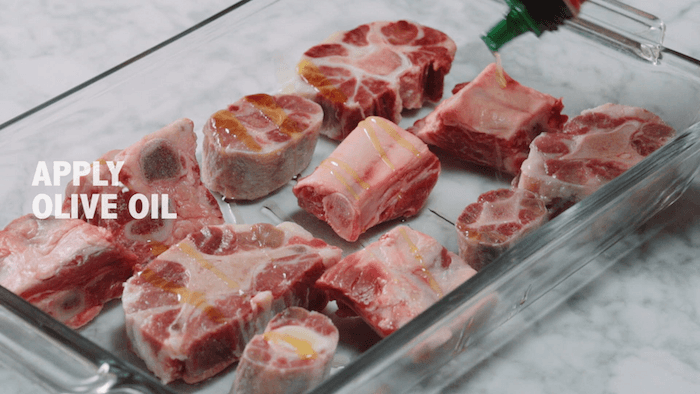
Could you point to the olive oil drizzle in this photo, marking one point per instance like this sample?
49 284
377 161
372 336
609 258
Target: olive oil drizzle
391 131
184 295
333 170
417 255
500 73
201 260
372 135
370 128
228 121
333 162
303 348
310 73
267 105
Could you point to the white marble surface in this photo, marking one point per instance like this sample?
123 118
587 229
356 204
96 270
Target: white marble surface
636 329
48 47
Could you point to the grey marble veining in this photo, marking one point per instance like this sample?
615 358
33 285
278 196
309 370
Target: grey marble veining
635 329
48 47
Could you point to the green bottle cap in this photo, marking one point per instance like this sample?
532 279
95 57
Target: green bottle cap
517 22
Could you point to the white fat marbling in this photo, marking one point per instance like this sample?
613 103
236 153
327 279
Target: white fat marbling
635 329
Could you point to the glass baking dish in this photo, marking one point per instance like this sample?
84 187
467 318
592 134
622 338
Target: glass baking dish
612 53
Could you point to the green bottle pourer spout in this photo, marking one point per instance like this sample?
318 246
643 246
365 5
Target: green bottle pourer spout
517 22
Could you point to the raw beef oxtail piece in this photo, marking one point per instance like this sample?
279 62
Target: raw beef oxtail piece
378 173
190 312
395 278
161 163
593 148
495 222
292 356
377 69
65 267
491 125
258 144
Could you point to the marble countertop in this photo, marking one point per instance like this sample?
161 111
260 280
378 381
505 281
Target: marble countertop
635 329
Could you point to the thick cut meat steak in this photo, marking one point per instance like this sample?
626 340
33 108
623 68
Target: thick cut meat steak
378 173
191 311
160 163
497 220
395 278
65 267
489 124
377 69
593 148
258 144
292 356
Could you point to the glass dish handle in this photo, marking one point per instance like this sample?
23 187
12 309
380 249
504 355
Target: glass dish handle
43 350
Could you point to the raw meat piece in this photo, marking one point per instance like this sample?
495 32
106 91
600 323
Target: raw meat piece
495 222
593 148
491 125
377 69
160 163
395 278
378 173
191 311
65 267
258 144
292 356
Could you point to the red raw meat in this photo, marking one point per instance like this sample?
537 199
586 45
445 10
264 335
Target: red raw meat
491 125
292 356
377 69
160 163
378 173
495 222
191 311
258 144
395 278
65 267
593 148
